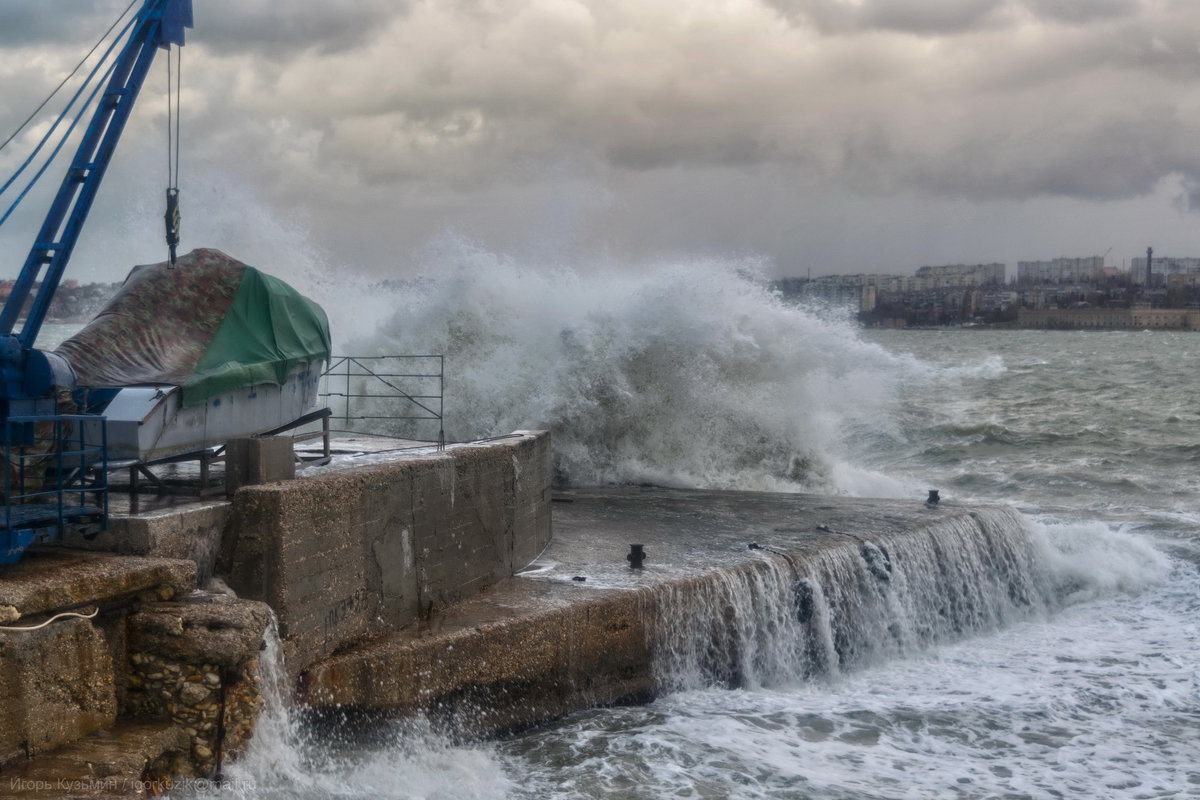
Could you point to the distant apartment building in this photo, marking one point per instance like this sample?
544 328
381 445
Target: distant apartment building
1163 266
1061 270
961 275
998 301
935 295
854 291
1184 280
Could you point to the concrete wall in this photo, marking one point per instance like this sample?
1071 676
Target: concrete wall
172 677
354 552
1110 318
56 685
507 673
66 680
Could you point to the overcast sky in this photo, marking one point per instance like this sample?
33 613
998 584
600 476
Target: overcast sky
822 135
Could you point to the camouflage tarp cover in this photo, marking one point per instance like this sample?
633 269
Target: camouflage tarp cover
210 324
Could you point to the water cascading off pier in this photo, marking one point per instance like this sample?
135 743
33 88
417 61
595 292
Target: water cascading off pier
825 601
835 584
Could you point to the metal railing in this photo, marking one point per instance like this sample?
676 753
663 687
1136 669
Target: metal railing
54 477
387 389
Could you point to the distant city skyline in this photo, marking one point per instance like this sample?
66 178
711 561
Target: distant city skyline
1162 263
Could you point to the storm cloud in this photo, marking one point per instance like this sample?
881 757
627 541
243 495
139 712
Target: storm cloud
669 125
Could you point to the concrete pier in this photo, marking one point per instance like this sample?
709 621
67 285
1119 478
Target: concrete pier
350 553
425 581
580 627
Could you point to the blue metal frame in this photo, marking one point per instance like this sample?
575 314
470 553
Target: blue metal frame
27 375
54 475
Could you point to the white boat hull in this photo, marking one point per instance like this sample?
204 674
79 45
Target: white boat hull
147 423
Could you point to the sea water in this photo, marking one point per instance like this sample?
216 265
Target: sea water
1094 437
697 375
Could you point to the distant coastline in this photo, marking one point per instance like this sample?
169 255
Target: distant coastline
1073 319
73 302
1153 319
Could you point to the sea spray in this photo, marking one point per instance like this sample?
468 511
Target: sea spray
1091 559
274 755
293 754
690 373
686 375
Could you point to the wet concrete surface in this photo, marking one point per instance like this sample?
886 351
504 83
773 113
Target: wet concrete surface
687 532
575 629
684 533
183 486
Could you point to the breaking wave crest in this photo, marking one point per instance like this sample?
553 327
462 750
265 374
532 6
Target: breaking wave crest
690 375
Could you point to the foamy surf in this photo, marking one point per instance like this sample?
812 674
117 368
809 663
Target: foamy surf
692 375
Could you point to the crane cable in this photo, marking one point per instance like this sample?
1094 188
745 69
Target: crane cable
172 218
88 83
62 141
58 88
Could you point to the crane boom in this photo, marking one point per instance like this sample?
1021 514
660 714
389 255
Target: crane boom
47 483
27 373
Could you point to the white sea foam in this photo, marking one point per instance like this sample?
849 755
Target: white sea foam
1077 705
290 757
679 374
1093 559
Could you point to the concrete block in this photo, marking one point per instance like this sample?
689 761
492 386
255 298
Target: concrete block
303 547
347 554
58 686
187 532
221 630
52 579
117 764
253 460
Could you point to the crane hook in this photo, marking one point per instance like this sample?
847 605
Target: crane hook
172 219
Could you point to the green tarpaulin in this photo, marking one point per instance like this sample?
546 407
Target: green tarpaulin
210 324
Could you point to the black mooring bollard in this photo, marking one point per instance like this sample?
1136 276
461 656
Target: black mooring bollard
636 556
933 498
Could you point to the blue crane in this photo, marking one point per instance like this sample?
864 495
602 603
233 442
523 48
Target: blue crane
30 378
